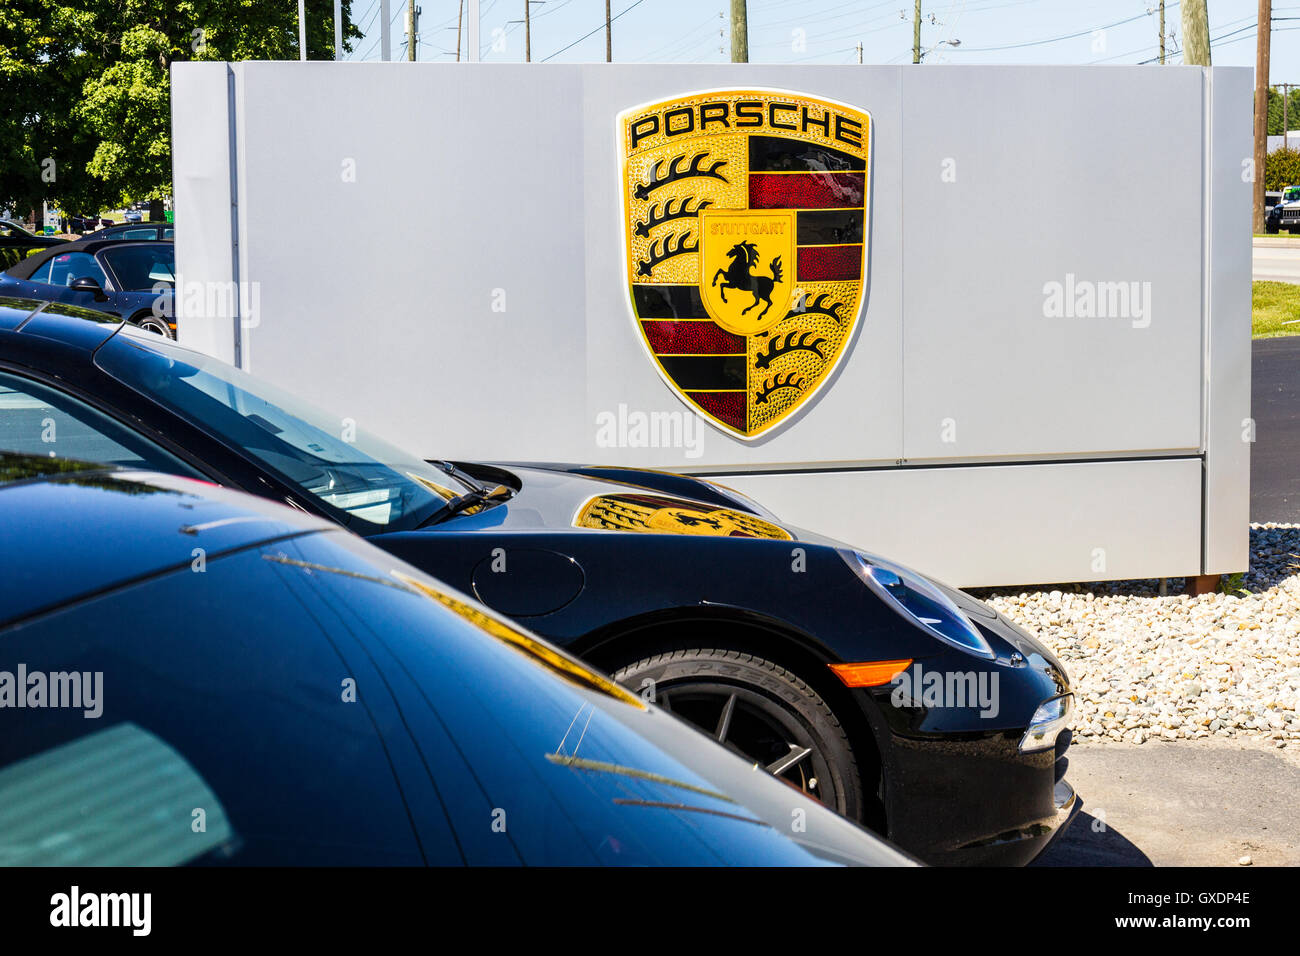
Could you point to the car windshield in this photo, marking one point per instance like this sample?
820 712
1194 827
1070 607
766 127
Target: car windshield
364 482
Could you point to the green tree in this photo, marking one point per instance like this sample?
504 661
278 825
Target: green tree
87 85
1275 110
44 63
1282 168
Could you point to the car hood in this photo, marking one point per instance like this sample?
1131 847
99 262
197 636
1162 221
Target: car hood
589 499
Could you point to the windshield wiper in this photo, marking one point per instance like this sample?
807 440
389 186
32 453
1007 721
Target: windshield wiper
461 503
460 475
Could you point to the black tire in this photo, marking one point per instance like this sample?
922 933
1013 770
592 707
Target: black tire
1271 230
151 323
775 716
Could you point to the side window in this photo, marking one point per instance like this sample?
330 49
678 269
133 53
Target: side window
75 265
141 267
169 233
138 234
38 420
42 274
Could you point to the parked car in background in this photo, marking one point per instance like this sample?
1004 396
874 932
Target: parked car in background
130 280
323 703
811 659
1286 213
16 243
145 230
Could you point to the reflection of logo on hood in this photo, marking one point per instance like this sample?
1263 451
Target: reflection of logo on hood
745 230
659 514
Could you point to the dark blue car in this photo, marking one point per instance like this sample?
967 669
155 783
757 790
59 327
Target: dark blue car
211 678
130 280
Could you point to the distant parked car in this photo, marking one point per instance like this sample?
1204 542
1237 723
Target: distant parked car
114 276
1286 214
144 230
134 215
16 243
324 703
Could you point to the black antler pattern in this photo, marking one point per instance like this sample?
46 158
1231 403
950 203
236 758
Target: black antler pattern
668 250
656 218
676 173
776 383
797 341
808 305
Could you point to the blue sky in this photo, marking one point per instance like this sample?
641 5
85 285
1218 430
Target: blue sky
828 31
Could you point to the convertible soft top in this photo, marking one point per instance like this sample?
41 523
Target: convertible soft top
25 268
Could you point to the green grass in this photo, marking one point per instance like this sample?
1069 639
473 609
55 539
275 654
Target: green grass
1271 305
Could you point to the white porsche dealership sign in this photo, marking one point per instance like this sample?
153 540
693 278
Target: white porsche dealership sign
943 313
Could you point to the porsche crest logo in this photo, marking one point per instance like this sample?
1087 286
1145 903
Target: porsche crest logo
654 514
745 221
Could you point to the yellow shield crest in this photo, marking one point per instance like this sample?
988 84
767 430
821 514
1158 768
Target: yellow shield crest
745 217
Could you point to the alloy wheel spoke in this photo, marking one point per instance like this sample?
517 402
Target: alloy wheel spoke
724 719
781 764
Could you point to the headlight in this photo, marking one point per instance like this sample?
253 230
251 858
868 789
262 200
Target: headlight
920 602
1051 717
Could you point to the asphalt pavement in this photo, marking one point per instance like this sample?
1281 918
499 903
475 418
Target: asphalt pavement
1275 406
1276 259
1185 803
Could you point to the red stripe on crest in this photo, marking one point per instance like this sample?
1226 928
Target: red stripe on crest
728 407
806 190
826 263
691 338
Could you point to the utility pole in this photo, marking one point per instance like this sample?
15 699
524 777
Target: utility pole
338 29
739 31
1162 32
302 30
609 39
1261 107
472 31
916 34
385 40
1286 119
528 31
460 17
412 18
859 53
1196 32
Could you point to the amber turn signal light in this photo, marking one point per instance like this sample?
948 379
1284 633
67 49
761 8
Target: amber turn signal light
871 673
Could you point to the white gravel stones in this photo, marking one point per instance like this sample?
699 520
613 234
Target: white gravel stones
1144 666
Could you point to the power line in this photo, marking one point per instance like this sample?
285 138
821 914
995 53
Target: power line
1068 36
597 30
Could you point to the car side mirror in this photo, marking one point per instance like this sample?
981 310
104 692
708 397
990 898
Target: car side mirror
88 284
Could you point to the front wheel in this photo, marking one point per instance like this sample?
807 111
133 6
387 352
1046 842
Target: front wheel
151 323
760 710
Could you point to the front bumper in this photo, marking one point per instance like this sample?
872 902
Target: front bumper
977 801
961 793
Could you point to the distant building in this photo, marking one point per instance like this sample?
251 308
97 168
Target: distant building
1292 139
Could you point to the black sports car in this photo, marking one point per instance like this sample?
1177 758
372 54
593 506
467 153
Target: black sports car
893 699
16 243
173 653
135 230
131 280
